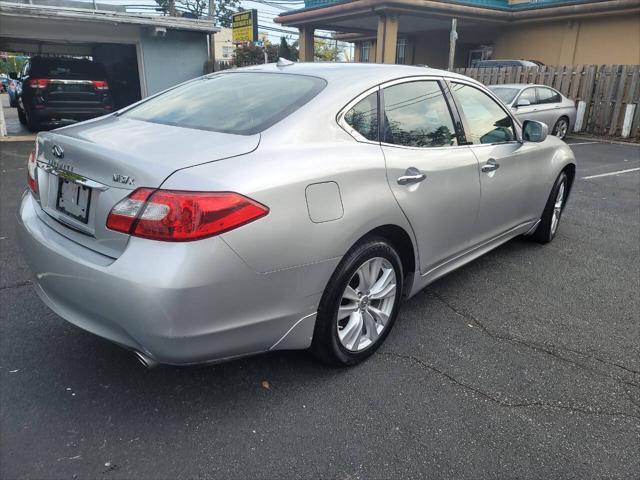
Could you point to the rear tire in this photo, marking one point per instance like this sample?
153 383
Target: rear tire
359 305
31 123
561 128
548 226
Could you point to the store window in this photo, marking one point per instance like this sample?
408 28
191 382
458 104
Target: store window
365 51
401 51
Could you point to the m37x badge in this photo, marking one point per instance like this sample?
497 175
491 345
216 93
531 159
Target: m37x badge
126 179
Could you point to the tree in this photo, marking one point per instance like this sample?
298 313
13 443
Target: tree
253 55
200 8
224 10
284 51
290 52
325 51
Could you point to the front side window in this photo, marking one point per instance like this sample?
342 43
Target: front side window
363 117
528 94
486 121
416 114
546 95
242 103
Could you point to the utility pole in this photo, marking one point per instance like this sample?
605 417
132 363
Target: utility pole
212 40
453 36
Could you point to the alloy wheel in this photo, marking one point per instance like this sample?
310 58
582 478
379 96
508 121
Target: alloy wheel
366 305
557 209
561 128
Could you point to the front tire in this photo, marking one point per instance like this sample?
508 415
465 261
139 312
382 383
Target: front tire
359 305
548 226
21 116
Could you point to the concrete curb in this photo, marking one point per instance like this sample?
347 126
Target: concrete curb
600 140
18 138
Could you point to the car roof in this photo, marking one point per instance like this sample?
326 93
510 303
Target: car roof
519 85
352 74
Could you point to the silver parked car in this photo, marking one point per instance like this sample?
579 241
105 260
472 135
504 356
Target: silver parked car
541 103
286 206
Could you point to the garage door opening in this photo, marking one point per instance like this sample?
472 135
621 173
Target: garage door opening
69 96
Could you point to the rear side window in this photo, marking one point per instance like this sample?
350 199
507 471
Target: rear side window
546 95
242 103
416 114
485 120
363 117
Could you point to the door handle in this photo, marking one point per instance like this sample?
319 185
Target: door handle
411 175
490 166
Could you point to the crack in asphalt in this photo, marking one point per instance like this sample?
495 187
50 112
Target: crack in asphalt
541 347
16 285
499 401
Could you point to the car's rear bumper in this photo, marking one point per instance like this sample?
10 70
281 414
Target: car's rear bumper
70 113
177 303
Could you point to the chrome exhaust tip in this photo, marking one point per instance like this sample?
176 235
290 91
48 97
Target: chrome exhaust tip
145 360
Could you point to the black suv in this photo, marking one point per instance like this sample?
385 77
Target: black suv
59 89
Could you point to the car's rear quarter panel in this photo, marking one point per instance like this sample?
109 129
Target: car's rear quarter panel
307 148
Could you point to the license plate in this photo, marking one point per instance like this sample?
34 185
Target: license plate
72 88
74 200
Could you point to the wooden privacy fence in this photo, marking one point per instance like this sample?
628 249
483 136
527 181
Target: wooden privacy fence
607 96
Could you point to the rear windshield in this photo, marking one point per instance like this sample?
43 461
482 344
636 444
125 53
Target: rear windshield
67 68
505 94
242 103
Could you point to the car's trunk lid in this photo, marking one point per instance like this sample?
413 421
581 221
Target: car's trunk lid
84 170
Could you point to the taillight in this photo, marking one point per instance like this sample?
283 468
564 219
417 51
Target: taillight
182 216
31 172
100 84
38 82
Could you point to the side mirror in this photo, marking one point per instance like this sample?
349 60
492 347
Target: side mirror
534 131
522 102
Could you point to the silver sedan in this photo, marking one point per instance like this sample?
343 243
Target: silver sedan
287 206
539 102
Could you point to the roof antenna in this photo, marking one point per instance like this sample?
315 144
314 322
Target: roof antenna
283 62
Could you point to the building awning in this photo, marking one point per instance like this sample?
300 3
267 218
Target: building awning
351 15
111 17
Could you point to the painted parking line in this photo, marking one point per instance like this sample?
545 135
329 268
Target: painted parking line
582 143
619 172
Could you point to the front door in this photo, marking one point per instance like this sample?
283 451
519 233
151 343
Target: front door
507 169
527 112
434 179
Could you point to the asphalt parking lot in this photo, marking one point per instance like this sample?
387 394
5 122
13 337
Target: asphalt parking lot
523 364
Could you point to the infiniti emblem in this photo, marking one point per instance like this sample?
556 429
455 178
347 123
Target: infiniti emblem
57 151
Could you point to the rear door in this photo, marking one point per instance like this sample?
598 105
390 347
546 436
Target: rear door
433 177
507 168
549 102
